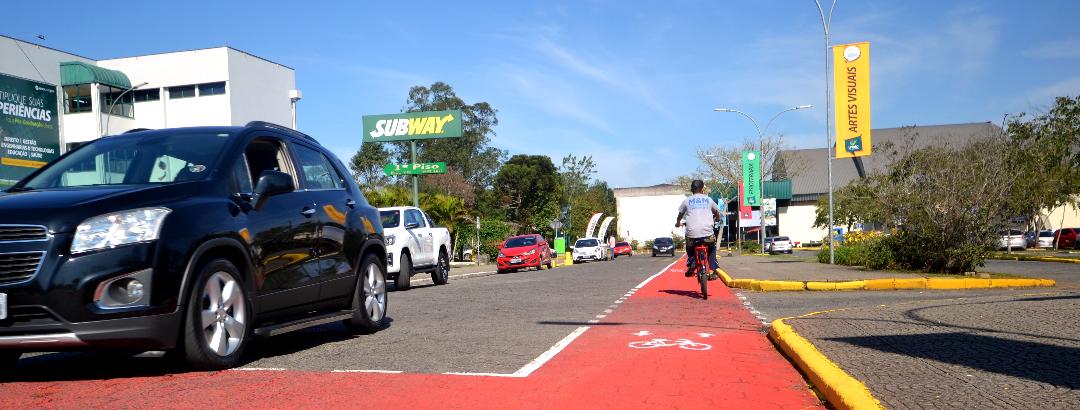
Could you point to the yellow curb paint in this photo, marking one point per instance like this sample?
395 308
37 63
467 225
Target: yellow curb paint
910 283
880 284
944 283
851 285
840 389
820 285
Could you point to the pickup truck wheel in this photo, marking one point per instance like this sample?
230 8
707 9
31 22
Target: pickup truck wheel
441 274
217 324
405 275
369 298
8 359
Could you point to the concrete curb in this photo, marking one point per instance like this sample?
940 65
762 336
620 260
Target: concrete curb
1036 259
883 284
840 389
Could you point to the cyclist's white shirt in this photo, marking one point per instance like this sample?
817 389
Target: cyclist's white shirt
698 211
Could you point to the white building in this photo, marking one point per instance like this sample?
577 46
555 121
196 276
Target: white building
212 86
648 213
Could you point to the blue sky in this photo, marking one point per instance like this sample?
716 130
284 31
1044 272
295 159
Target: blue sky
632 83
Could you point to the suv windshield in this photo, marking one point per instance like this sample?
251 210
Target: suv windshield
521 241
390 219
136 159
585 243
663 241
781 238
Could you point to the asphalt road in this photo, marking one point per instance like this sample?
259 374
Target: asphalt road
482 324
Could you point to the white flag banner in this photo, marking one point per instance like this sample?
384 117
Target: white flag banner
592 224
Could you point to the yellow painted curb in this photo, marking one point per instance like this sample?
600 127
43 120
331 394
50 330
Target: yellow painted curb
883 284
840 389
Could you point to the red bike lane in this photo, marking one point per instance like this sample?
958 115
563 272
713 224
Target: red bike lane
662 346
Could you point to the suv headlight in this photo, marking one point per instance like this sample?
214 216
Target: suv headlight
120 228
390 239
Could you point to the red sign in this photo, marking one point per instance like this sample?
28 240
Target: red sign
745 211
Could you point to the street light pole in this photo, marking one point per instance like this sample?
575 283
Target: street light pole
761 150
825 24
113 105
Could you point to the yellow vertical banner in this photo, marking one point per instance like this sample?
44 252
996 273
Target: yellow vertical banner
851 91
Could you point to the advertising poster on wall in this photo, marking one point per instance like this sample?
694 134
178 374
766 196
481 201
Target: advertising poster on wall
29 127
768 211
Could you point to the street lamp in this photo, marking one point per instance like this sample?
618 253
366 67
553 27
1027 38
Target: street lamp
761 147
294 96
825 24
108 115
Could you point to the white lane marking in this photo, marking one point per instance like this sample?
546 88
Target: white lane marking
368 371
260 369
642 333
482 374
461 276
593 321
650 278
608 311
548 355
601 316
706 335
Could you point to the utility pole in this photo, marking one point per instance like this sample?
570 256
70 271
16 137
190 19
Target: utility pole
825 24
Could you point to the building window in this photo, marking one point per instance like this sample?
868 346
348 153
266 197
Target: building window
146 95
77 99
211 89
184 91
123 107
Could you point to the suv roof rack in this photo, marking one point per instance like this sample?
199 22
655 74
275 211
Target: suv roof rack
282 129
137 130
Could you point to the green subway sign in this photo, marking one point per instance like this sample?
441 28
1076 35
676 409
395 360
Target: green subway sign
412 126
29 127
419 168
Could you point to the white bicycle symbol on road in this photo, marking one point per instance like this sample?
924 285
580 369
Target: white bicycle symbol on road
681 343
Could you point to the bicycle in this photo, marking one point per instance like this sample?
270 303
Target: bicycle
701 263
680 343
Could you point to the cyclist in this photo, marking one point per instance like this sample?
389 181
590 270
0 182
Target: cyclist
701 214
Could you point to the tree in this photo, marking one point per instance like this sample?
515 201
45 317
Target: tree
576 174
530 191
1052 156
367 166
451 183
471 154
724 163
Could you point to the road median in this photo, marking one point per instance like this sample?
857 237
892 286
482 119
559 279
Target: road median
882 284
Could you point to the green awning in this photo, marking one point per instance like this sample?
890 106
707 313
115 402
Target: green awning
78 73
778 189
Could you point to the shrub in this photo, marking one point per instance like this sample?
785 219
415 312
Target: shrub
634 244
648 244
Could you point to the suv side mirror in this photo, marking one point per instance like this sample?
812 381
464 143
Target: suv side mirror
272 183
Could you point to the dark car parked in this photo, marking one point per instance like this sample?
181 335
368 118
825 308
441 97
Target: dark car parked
189 240
663 245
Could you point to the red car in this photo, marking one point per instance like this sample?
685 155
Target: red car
524 251
623 248
1066 238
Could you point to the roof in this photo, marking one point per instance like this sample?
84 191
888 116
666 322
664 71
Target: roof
810 169
201 49
78 72
661 189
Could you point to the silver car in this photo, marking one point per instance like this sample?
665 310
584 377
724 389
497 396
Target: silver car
1014 239
777 244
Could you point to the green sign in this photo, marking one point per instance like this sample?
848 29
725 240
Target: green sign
751 167
412 126
29 127
415 169
853 145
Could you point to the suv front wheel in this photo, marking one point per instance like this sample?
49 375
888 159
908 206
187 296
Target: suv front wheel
218 318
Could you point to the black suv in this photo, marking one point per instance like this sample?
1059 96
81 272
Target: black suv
189 240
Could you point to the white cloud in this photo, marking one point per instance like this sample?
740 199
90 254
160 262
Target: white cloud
1044 96
1058 49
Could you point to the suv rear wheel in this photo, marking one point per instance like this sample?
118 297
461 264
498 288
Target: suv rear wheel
218 318
369 298
441 274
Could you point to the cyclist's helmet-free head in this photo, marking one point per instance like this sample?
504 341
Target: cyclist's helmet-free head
696 186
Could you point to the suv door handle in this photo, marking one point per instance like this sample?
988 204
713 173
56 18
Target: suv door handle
350 203
308 212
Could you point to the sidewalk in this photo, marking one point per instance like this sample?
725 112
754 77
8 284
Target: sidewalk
658 346
1008 352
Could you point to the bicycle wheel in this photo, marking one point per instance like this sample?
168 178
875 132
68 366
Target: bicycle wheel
703 271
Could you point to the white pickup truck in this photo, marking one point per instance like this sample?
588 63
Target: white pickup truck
414 244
